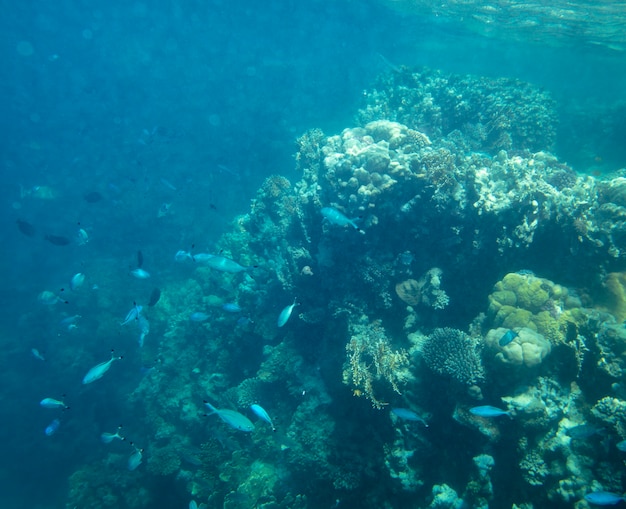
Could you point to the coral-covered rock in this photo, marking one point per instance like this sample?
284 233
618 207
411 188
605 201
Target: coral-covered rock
528 348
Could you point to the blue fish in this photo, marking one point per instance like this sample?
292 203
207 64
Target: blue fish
231 307
507 337
135 458
52 428
244 321
333 216
583 431
604 498
621 445
133 314
98 371
53 403
286 313
198 316
221 263
144 328
232 418
140 273
181 256
408 415
262 414
488 411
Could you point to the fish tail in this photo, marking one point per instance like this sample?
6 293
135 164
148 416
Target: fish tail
210 407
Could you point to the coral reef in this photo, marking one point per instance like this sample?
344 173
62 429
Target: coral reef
371 360
454 354
528 348
523 300
492 114
426 291
462 187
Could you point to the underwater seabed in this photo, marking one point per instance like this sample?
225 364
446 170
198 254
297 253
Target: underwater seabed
466 267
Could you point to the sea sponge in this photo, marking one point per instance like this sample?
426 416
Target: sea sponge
528 349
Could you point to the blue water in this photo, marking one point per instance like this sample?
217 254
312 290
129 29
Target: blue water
174 113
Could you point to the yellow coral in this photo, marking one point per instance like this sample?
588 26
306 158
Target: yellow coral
614 298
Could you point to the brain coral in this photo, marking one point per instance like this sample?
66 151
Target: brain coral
528 349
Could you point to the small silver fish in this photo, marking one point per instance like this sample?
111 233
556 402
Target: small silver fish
69 323
48 298
53 427
262 414
82 237
198 316
135 458
488 411
286 313
221 263
144 328
232 418
37 354
140 273
333 216
77 281
231 307
53 403
98 371
133 314
107 438
409 415
182 256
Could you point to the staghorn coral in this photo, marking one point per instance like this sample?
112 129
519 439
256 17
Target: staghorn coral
371 360
452 353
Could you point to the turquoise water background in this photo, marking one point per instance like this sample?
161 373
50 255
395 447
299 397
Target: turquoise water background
175 113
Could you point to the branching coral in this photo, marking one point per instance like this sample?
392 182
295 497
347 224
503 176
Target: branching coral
452 353
370 359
